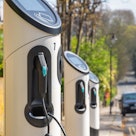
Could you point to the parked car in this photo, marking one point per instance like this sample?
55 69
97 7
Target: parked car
128 103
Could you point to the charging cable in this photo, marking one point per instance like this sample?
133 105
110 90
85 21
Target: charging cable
47 118
63 131
44 73
44 70
48 114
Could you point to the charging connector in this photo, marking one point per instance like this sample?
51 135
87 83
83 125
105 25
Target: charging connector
44 69
48 114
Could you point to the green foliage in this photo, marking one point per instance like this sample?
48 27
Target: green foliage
62 85
98 59
127 50
73 43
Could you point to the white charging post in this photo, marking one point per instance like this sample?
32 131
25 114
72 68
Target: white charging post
32 58
76 98
94 104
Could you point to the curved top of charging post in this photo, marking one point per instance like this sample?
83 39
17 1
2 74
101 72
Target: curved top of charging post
93 78
76 62
38 13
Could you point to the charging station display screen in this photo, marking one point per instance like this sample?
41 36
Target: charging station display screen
76 61
93 77
31 5
38 13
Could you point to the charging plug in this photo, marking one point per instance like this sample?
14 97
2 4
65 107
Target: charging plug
42 69
43 64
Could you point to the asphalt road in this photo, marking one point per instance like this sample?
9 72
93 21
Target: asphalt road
116 124
129 125
129 121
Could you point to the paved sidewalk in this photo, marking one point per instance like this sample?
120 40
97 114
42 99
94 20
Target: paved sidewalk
110 125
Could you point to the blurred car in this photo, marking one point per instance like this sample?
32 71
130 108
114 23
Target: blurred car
128 103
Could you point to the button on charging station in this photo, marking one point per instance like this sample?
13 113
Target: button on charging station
44 17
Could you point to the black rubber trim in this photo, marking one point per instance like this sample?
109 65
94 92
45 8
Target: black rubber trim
93 102
80 106
59 65
34 104
94 132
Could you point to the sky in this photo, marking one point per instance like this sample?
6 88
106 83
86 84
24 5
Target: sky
116 4
113 4
122 4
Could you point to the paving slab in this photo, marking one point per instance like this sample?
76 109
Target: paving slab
110 125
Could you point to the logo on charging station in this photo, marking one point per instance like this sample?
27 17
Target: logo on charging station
44 17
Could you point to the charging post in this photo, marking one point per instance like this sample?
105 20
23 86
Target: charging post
76 102
32 72
94 104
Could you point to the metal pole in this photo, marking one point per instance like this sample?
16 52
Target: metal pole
110 80
113 40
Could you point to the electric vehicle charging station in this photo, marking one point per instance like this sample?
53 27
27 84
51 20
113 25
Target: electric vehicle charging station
76 98
94 104
32 73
